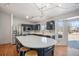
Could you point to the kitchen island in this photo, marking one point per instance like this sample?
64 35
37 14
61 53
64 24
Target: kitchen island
44 45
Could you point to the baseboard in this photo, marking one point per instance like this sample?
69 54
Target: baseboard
13 44
5 44
62 45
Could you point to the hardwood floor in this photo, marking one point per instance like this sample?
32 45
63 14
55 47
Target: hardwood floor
8 50
60 50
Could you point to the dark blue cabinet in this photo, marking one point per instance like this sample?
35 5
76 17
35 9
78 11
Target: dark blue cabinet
49 51
30 27
50 25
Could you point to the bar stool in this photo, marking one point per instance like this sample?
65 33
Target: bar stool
23 50
31 53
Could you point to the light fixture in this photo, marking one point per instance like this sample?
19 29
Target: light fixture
6 4
47 5
43 5
59 5
27 17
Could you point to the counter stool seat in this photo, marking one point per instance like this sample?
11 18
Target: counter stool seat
23 50
31 53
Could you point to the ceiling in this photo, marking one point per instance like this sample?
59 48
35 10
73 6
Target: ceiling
37 12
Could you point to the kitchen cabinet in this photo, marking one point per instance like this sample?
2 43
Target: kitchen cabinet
36 27
30 27
50 25
27 27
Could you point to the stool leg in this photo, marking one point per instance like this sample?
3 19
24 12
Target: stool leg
22 53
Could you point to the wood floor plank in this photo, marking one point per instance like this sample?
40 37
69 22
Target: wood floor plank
8 50
60 50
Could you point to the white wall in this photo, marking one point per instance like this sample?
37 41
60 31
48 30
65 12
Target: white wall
18 21
5 28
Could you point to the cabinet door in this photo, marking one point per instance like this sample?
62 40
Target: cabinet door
51 25
36 27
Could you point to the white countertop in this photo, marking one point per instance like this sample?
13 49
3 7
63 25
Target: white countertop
33 41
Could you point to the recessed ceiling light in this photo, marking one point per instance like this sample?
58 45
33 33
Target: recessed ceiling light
27 17
43 5
48 5
6 4
59 5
